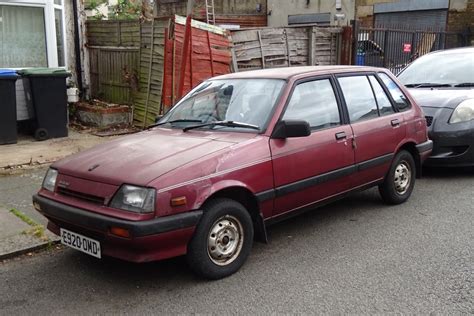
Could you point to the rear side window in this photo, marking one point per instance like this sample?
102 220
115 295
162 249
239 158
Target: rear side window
359 98
400 99
314 102
385 106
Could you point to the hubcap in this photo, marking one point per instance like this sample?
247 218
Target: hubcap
402 177
225 239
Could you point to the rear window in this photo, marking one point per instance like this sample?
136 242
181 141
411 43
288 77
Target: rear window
359 98
400 99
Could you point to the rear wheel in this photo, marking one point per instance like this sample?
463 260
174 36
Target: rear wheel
222 240
400 180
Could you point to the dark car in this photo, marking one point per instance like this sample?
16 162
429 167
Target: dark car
238 153
442 83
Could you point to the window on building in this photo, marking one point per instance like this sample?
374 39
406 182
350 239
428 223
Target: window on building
22 37
58 21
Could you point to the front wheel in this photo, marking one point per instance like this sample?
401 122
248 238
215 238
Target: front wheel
222 240
400 180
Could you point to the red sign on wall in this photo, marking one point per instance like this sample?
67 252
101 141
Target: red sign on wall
406 48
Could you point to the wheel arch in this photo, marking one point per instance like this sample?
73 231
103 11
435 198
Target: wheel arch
411 148
248 199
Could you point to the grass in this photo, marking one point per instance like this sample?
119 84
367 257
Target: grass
36 230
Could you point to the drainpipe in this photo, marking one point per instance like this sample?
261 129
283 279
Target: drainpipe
77 46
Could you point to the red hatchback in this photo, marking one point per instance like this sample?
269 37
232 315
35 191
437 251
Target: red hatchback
238 153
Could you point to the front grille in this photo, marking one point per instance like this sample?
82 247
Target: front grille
82 196
429 120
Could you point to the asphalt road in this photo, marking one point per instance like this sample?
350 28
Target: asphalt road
355 256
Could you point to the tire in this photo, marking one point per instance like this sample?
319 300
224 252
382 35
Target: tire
41 134
400 180
222 240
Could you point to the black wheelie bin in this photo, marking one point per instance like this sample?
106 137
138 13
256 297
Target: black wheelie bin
8 129
48 89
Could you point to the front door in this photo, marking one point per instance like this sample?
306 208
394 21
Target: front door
312 168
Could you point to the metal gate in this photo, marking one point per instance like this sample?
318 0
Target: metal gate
395 47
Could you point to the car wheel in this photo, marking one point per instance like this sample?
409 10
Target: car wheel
400 180
222 240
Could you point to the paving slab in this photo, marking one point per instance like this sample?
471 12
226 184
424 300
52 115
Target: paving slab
15 239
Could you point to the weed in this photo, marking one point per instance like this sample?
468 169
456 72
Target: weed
36 230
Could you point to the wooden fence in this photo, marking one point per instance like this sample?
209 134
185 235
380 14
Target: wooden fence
285 47
139 63
114 58
147 98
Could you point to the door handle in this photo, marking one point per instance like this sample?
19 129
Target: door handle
341 135
395 122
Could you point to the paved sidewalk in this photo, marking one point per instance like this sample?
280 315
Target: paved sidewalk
22 168
28 153
18 237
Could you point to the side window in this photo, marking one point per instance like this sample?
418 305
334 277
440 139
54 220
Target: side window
359 98
401 101
385 106
314 102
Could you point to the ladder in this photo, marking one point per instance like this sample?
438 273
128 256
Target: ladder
210 16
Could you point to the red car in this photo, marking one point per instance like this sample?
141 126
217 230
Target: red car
239 152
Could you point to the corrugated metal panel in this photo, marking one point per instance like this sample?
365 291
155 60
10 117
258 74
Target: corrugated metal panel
422 20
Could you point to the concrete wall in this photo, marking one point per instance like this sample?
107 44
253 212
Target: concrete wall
278 10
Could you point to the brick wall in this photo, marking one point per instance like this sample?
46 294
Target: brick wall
462 21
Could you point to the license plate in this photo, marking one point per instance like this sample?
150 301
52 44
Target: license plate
81 243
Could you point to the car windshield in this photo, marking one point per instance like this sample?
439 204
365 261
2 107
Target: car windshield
439 69
248 101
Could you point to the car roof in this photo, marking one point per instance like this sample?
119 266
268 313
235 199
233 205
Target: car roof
460 50
289 72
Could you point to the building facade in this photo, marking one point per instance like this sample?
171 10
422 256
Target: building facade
324 12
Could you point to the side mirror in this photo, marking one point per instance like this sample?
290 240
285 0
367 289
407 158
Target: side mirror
291 128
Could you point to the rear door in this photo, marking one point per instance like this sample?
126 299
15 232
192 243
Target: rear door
312 168
377 126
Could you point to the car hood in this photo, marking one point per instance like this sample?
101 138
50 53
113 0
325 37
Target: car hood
140 158
440 98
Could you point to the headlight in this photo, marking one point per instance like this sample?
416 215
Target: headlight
49 181
464 112
134 199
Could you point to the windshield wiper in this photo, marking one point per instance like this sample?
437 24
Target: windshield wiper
427 85
174 121
222 123
464 84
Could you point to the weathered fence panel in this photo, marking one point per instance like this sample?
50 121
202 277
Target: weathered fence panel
147 98
284 47
114 58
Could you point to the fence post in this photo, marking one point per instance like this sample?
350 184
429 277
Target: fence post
311 46
355 39
385 40
346 46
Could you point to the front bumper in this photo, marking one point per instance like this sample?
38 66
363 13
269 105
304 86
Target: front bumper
453 144
159 238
